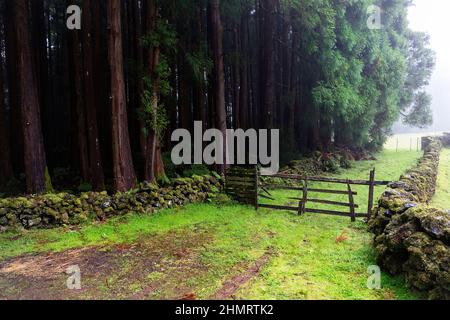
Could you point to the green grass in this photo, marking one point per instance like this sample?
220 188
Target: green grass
407 141
442 197
307 263
324 269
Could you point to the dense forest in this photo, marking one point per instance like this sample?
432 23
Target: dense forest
98 105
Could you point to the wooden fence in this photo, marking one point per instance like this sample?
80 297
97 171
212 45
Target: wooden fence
243 183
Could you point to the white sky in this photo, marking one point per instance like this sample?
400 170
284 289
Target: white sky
433 17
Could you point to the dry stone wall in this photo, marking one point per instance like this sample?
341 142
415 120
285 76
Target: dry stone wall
51 210
412 238
446 139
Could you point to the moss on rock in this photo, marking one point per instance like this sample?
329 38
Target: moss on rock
50 210
411 237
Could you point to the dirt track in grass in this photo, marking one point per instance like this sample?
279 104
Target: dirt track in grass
232 286
201 251
155 267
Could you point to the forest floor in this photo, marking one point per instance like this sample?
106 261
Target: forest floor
442 196
207 251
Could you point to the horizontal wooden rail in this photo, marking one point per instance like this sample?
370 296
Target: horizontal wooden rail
240 193
240 184
239 174
275 186
332 180
336 213
318 211
244 185
239 178
343 192
335 203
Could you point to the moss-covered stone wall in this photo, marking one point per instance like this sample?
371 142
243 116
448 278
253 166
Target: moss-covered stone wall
412 238
51 210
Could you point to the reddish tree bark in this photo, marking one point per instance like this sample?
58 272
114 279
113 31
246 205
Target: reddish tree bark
6 171
137 82
34 154
219 75
244 92
236 78
80 111
40 51
293 85
269 62
154 166
13 89
91 102
123 168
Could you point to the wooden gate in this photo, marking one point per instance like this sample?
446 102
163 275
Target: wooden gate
241 183
245 185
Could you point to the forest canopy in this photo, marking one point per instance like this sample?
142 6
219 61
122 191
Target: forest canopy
101 102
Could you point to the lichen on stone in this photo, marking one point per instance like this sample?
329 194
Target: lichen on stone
410 237
52 210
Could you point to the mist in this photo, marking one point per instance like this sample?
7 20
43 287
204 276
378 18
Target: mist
432 17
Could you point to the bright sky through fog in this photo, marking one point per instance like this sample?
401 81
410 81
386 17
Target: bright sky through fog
433 17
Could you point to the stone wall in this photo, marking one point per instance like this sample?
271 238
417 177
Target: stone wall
446 139
53 210
412 238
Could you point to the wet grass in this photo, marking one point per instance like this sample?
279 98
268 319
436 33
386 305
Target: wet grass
306 263
442 197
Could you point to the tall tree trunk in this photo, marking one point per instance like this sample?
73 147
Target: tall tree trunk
236 77
34 154
244 74
13 89
40 52
292 81
315 135
91 102
123 168
147 136
199 86
219 75
101 82
152 140
6 171
269 61
78 102
138 83
184 100
154 166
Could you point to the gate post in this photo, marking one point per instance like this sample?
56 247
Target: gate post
305 198
256 188
371 193
352 202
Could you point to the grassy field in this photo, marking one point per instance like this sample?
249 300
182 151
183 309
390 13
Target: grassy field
407 141
204 251
442 197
